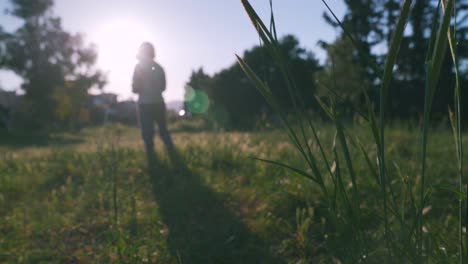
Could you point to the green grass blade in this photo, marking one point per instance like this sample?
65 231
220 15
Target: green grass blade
440 48
263 88
433 37
371 167
433 73
272 21
298 171
390 62
265 91
394 48
347 155
457 129
271 44
340 184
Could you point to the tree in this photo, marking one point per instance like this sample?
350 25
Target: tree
410 76
343 77
234 101
57 68
371 24
362 21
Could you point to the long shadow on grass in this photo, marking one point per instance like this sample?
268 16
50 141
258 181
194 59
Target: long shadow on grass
201 229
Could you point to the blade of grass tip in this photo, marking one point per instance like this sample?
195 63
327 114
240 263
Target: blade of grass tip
267 37
261 86
433 73
272 21
270 40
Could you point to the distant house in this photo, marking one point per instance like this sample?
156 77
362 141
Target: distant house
124 112
106 108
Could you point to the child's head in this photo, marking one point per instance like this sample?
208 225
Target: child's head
146 51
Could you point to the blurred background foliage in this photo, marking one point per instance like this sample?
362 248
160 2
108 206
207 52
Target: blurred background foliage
59 68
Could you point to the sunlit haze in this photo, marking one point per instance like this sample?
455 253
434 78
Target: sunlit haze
186 34
117 43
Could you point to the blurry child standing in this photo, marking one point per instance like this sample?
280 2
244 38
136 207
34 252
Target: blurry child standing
149 82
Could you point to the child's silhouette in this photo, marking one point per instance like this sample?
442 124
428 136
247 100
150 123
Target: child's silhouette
149 82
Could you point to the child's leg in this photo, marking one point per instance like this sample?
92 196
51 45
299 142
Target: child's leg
160 115
146 116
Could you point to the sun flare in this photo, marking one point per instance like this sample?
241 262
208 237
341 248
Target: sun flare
117 44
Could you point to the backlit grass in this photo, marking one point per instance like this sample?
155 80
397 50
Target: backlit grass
221 206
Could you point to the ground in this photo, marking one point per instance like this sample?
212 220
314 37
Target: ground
90 197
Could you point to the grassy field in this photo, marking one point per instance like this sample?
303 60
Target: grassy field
90 198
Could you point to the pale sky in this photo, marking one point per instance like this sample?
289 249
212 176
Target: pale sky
187 34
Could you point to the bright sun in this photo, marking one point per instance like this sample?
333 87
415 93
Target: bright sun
118 44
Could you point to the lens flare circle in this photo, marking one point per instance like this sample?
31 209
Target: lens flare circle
197 101
189 93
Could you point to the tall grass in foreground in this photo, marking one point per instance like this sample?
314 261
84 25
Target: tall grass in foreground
406 234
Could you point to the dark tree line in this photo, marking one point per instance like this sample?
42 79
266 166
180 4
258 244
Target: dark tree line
234 101
352 68
56 67
371 24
